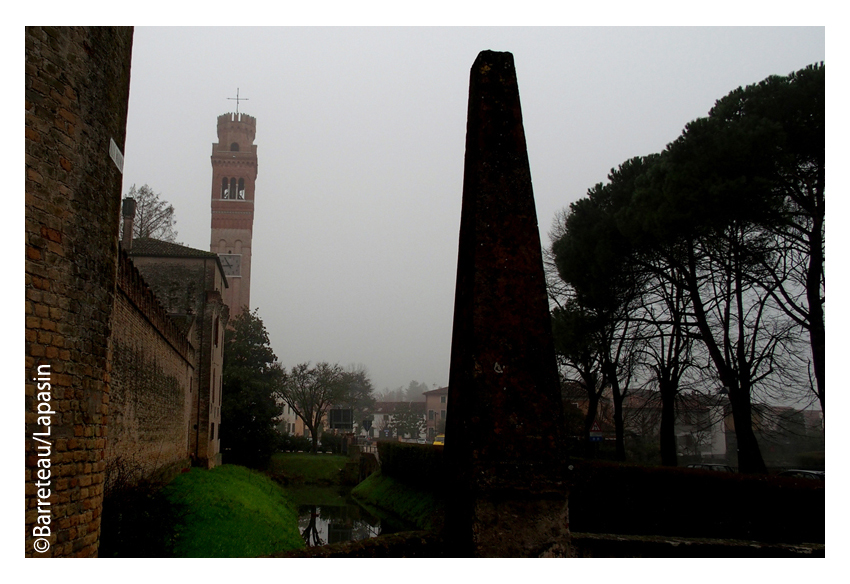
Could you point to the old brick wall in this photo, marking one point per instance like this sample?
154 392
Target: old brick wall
76 92
193 285
150 391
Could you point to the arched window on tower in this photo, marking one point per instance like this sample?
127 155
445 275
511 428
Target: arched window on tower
233 188
240 194
234 147
225 192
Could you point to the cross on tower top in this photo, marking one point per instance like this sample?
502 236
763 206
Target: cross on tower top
238 99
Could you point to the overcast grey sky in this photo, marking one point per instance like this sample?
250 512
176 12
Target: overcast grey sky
360 135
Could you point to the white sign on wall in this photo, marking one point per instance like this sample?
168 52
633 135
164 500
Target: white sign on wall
116 156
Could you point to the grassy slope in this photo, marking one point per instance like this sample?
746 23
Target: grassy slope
232 511
387 495
298 467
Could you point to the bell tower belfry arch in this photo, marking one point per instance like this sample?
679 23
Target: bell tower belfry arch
234 166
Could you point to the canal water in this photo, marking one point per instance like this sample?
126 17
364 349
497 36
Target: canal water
330 515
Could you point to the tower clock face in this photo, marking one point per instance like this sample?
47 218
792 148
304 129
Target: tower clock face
232 264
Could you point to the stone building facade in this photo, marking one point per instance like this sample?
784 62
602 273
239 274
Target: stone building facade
77 82
190 284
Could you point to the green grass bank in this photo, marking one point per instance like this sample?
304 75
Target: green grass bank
387 496
231 512
296 468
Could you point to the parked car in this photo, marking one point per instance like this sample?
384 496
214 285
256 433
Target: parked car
717 467
439 440
797 473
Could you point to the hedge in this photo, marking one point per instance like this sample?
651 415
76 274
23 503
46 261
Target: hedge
416 464
624 499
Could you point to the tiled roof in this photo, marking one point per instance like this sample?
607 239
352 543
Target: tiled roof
146 246
439 391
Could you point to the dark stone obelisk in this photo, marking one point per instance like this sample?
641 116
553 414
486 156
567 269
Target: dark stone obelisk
505 418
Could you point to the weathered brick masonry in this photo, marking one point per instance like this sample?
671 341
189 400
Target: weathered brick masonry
151 383
190 284
76 92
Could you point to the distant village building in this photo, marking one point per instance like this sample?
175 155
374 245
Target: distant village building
289 422
700 425
435 405
387 417
704 428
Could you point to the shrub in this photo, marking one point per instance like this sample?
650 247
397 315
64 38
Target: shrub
331 443
137 520
415 464
293 443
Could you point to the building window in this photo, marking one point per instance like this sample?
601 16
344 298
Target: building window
442 399
233 188
443 414
225 191
430 414
240 193
234 147
215 332
212 431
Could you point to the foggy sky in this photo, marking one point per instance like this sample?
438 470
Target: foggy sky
360 135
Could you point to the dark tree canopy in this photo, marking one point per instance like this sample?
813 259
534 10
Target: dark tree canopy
718 239
251 376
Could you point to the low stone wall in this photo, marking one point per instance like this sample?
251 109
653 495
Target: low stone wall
408 544
594 545
424 544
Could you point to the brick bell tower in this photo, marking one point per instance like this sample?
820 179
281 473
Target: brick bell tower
234 166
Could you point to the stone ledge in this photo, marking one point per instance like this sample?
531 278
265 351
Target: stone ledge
407 544
598 545
424 544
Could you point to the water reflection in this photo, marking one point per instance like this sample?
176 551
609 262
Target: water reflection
329 515
320 525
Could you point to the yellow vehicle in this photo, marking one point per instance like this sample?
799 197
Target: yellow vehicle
439 440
